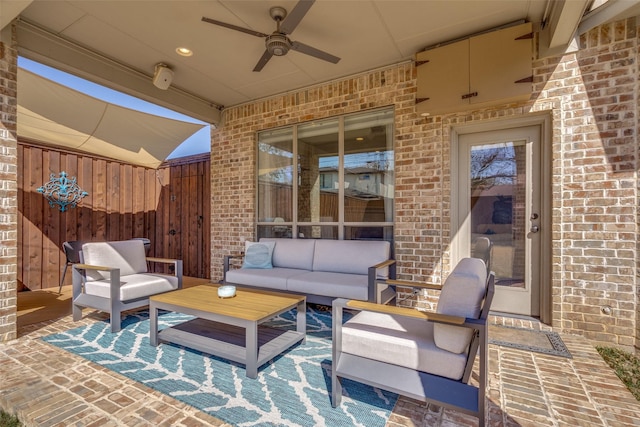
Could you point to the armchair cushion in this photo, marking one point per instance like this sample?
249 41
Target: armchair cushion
134 286
127 255
461 295
401 341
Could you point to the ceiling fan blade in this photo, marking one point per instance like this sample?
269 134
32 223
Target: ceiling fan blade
294 17
234 27
308 50
266 56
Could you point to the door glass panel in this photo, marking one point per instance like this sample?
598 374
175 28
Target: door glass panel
498 190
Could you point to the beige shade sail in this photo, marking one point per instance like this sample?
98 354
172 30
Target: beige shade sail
54 114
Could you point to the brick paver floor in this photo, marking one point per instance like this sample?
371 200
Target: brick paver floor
46 386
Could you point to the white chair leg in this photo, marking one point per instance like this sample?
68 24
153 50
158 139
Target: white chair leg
76 292
336 391
116 321
77 312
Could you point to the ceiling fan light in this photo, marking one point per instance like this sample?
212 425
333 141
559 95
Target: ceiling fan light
278 44
278 50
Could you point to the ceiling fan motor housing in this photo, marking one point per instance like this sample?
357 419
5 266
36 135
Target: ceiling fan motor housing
278 44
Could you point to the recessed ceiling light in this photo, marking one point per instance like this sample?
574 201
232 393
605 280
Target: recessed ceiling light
183 51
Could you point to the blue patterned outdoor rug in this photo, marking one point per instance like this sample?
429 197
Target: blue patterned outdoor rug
291 390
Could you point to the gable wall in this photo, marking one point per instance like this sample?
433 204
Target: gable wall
591 98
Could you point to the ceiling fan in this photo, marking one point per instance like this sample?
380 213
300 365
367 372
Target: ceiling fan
277 43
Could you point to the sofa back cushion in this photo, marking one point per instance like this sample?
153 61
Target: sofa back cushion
462 294
349 256
292 253
127 255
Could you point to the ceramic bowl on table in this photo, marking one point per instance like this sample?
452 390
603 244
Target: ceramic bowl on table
226 291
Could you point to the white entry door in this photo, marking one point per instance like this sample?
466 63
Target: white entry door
499 202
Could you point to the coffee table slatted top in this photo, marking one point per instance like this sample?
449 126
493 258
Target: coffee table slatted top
252 305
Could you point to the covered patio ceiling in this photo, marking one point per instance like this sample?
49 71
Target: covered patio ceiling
118 44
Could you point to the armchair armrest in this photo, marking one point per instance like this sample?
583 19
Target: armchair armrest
406 312
78 279
387 294
410 284
383 264
165 260
92 267
177 266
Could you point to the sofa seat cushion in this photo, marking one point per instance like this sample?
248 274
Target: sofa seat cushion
134 286
400 341
350 256
292 253
338 285
274 278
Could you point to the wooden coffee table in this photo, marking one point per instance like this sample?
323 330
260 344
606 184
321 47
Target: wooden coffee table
230 327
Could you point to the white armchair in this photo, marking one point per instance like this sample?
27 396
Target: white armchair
425 356
114 277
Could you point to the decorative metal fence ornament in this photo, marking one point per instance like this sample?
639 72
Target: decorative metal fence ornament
62 191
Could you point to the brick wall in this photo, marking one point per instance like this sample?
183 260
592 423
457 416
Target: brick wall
234 144
8 187
591 98
637 130
596 183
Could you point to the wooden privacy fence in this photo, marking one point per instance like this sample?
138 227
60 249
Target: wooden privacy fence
170 206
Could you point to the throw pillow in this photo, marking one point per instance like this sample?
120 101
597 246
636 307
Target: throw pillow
258 254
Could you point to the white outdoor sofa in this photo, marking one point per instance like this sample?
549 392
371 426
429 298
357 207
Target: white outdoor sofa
114 277
322 270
